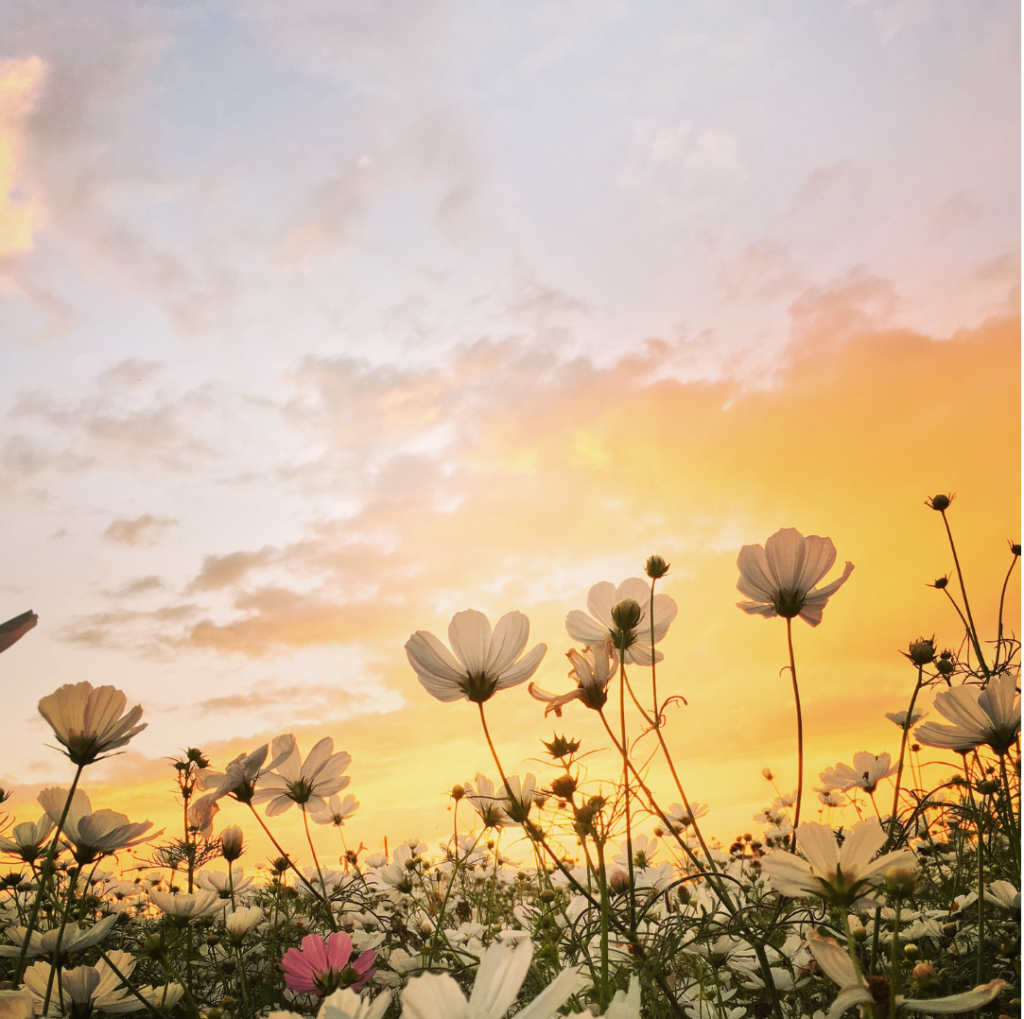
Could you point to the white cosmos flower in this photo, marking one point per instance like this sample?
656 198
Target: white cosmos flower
88 720
74 939
624 1005
345 1004
304 782
631 603
242 921
28 838
593 669
980 717
98 987
498 978
490 805
482 663
94 834
336 811
867 771
853 989
900 717
188 906
780 577
1002 893
842 875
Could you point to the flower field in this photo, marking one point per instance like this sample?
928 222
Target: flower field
904 897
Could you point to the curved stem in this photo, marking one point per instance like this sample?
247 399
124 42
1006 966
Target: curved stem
799 734
625 789
319 872
1002 600
490 743
284 855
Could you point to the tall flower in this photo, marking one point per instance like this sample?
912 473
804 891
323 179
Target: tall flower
593 669
622 615
780 577
482 663
840 875
867 771
238 780
89 721
323 966
980 717
498 978
94 833
303 782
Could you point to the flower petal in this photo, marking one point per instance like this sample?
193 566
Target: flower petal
523 669
786 551
469 634
601 599
507 642
584 629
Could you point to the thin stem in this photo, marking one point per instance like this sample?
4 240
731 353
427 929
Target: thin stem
625 788
971 629
799 734
285 856
903 751
490 743
894 961
1002 600
47 871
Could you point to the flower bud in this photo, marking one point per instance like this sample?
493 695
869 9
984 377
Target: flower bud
945 666
940 583
767 772
618 880
626 614
911 951
458 792
940 502
560 747
859 934
1015 547
901 882
922 650
656 567
564 786
231 843
924 975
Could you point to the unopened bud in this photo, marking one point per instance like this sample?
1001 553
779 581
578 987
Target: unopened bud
939 502
626 614
901 882
924 974
231 843
560 747
564 786
1015 547
618 880
458 792
940 583
922 650
911 951
945 666
656 567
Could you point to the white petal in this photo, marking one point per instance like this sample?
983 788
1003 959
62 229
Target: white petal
510 636
469 634
498 978
756 579
601 599
859 847
817 842
819 556
585 630
523 669
430 658
785 551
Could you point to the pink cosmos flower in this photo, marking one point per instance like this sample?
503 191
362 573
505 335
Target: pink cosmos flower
324 966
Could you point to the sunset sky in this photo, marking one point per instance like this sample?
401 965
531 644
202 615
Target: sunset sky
326 319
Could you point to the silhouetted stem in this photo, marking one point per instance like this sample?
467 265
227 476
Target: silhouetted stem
799 734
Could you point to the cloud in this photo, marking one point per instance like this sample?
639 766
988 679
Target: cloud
144 530
141 585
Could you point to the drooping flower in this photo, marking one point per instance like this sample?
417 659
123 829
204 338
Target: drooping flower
337 811
780 577
499 976
94 834
980 717
593 669
88 720
874 991
238 780
867 771
303 782
480 661
841 875
622 615
326 965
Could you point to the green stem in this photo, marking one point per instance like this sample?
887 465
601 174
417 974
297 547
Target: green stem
320 874
894 961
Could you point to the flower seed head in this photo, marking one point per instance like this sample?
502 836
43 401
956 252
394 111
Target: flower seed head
940 583
560 747
656 567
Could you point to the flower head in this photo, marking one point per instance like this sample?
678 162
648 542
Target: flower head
490 805
336 811
593 669
780 578
989 717
904 721
188 906
841 875
88 720
867 771
622 615
28 838
303 782
14 629
499 976
93 834
326 965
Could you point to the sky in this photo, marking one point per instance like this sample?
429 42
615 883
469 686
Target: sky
326 320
